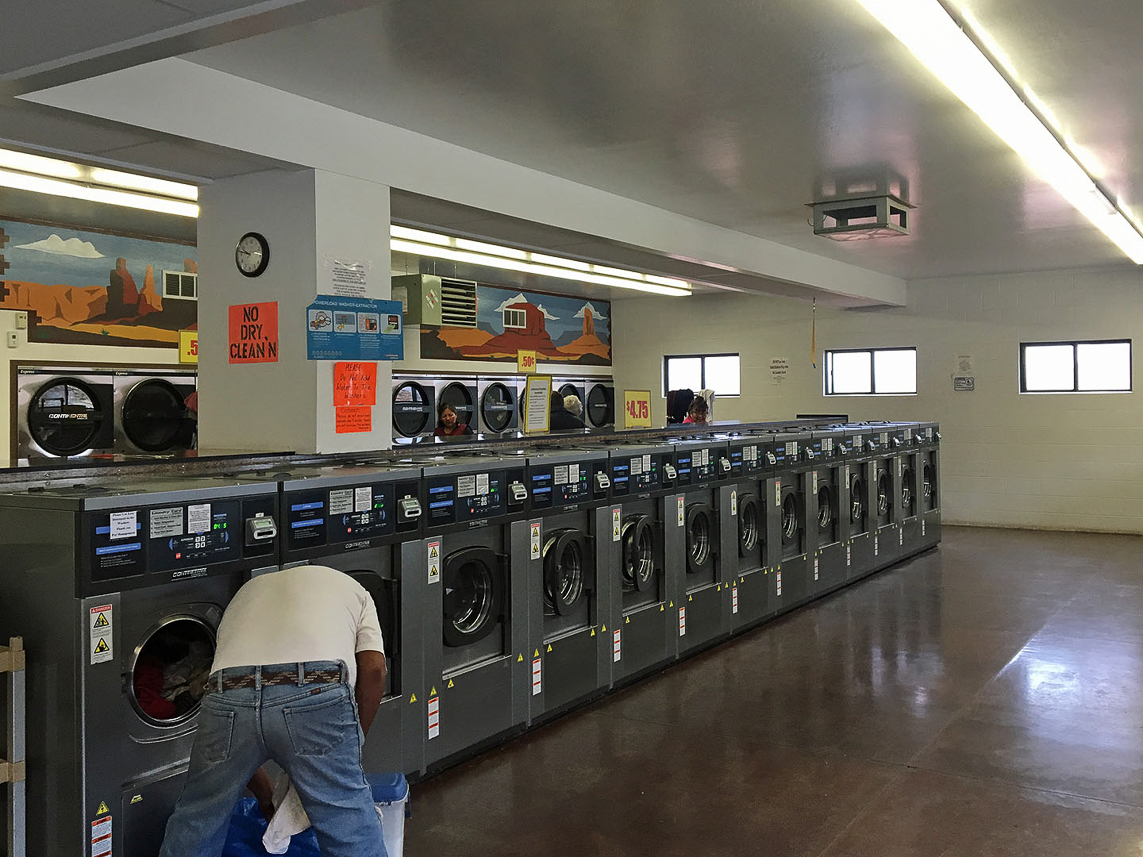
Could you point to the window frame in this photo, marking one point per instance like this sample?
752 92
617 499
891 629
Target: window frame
702 372
523 316
827 369
1075 343
180 275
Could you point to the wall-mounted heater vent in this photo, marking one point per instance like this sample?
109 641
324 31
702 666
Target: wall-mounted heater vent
861 218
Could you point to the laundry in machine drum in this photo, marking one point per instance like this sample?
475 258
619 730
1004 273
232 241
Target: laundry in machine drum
65 416
170 668
473 595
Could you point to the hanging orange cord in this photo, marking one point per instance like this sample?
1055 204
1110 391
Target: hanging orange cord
814 335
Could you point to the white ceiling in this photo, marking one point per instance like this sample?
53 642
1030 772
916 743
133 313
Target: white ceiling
736 114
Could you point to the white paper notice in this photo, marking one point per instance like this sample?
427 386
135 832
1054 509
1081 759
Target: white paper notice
636 466
573 474
537 404
166 522
465 486
123 525
348 278
341 501
561 476
481 483
362 499
647 463
198 518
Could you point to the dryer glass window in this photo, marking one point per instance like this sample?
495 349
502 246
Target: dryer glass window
170 669
154 415
497 406
65 416
412 409
459 397
600 406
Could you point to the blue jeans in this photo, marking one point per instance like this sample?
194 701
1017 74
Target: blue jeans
312 731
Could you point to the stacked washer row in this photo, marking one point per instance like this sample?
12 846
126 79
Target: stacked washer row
512 586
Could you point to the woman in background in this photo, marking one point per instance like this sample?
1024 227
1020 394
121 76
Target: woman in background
447 423
697 412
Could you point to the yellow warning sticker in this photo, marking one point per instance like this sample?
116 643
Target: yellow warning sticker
103 810
661 609
101 646
450 684
690 598
412 698
537 654
627 620
434 551
101 621
549 647
137 799
520 659
593 632
604 627
672 603
433 692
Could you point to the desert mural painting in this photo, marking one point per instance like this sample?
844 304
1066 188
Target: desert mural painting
559 329
98 289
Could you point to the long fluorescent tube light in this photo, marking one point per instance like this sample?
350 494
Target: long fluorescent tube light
437 246
927 29
96 184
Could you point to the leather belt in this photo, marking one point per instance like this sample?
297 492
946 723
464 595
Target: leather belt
235 682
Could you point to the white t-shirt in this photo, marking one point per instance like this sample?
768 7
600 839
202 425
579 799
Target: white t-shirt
306 613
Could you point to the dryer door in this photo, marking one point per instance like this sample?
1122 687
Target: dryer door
600 406
498 407
153 416
473 595
66 416
412 409
461 399
567 571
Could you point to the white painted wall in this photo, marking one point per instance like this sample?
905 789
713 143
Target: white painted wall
1068 462
50 352
306 217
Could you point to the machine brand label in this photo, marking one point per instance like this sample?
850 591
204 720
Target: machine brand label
537 675
616 524
102 642
535 539
433 549
733 504
682 621
734 600
616 649
188 573
475 525
101 836
352 546
434 717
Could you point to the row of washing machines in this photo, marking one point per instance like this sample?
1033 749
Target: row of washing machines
490 405
512 585
65 411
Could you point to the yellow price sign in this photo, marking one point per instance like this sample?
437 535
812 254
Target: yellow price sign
636 408
188 346
525 361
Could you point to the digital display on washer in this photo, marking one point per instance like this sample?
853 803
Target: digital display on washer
570 483
305 519
195 534
472 497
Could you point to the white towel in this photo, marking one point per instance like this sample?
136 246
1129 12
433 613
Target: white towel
289 818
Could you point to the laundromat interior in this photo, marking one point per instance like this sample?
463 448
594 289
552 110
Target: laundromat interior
884 599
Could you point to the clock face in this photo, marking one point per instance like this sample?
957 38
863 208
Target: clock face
252 254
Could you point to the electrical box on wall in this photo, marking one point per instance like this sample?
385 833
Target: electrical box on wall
422 298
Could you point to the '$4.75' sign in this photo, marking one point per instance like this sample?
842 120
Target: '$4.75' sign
637 408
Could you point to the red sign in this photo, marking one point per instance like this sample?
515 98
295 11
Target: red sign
354 384
353 419
254 333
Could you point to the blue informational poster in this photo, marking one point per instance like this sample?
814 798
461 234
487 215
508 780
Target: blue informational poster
354 329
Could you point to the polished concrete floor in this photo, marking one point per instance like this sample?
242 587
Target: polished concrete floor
983 699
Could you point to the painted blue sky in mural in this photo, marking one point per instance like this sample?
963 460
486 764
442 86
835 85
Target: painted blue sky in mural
563 315
53 254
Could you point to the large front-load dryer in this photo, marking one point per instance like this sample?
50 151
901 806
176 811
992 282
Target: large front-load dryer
138 576
355 518
62 412
151 416
569 591
499 406
599 403
474 624
414 409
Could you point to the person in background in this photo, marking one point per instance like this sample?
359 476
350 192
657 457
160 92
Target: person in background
697 412
447 423
573 405
298 675
561 419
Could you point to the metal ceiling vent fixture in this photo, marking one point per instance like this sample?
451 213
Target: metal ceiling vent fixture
859 218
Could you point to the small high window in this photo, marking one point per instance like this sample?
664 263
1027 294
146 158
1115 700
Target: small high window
180 284
515 318
1101 366
871 372
719 372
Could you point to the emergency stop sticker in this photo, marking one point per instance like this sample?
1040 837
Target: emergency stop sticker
101 640
101 836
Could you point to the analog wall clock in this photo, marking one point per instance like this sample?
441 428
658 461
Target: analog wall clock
252 254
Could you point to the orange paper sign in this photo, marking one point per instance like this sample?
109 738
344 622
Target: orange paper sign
353 419
254 333
354 384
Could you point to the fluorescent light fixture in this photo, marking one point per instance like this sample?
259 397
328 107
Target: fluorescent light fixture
929 31
55 187
436 246
95 184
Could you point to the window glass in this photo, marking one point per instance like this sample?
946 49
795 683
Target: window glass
852 372
1104 366
895 371
684 373
1049 368
722 375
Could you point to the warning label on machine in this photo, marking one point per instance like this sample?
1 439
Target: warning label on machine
434 552
537 675
101 639
434 717
617 523
101 836
616 648
682 621
535 538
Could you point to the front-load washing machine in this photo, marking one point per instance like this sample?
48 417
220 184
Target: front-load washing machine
599 403
569 591
827 497
703 465
414 409
861 518
930 481
138 576
499 400
63 411
643 552
884 485
151 416
474 624
791 578
909 473
746 515
355 518
459 393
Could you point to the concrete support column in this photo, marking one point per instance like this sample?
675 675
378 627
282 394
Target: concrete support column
308 218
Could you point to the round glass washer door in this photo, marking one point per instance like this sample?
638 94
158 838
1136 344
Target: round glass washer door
169 669
497 407
638 566
412 409
65 416
857 501
153 414
473 592
749 524
700 537
790 525
565 571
